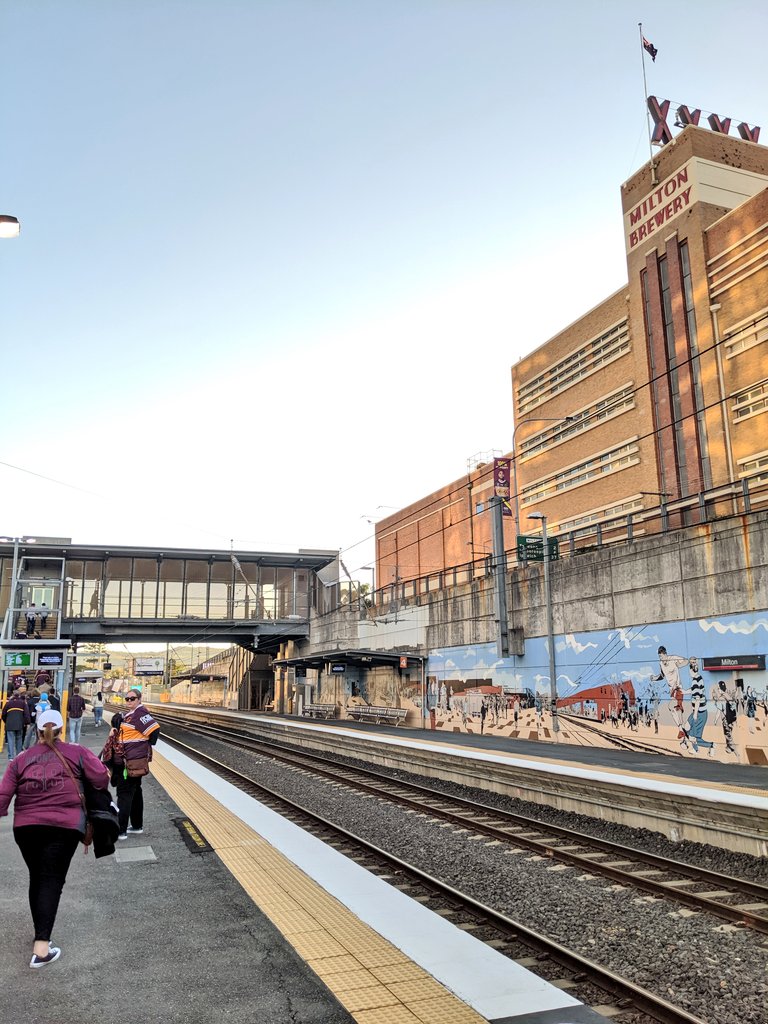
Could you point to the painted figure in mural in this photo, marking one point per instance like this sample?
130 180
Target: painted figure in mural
483 713
750 705
699 714
669 668
678 715
726 703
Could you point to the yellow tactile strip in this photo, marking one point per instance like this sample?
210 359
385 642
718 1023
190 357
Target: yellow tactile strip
369 976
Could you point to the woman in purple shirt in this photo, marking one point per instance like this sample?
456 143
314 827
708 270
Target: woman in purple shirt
48 819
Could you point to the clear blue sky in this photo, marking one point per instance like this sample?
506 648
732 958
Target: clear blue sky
278 256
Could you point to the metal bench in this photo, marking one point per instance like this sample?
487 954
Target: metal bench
377 715
319 711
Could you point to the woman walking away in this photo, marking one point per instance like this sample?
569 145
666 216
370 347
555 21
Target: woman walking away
49 819
98 708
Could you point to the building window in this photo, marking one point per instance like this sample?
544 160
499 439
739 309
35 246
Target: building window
597 352
674 377
693 343
745 337
604 408
751 402
756 467
600 515
611 461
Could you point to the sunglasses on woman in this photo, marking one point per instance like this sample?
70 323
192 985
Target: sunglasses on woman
130 700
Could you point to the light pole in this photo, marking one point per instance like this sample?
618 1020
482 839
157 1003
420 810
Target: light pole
531 419
9 226
550 635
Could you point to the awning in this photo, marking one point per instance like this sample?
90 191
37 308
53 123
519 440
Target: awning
358 659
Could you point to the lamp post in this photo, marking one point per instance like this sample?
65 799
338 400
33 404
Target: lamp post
531 419
9 226
550 635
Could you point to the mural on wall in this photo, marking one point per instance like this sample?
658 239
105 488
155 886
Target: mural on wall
696 688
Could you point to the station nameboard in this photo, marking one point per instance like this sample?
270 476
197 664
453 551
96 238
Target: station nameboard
735 663
338 668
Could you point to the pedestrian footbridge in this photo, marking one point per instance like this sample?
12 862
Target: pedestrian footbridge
55 592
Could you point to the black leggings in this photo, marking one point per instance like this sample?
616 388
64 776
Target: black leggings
47 851
130 802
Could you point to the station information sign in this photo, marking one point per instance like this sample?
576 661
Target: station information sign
17 659
50 658
531 549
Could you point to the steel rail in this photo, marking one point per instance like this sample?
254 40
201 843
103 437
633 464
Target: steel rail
625 991
662 889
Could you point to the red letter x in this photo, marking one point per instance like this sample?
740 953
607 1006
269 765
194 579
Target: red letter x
659 111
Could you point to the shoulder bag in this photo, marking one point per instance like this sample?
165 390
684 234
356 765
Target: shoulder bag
101 819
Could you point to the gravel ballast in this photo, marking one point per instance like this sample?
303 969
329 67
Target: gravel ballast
714 970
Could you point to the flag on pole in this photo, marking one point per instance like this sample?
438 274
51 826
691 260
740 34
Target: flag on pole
650 49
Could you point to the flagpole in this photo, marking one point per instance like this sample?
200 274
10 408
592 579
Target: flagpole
654 180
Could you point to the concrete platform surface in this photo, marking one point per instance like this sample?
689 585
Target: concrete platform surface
169 936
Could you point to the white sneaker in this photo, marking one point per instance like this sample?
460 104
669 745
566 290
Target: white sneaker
123 835
42 961
135 831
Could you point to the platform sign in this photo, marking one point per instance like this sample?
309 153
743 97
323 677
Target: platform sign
18 659
50 658
338 668
531 549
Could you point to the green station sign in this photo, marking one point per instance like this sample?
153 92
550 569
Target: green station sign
531 549
18 659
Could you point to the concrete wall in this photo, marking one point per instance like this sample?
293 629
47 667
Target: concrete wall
700 592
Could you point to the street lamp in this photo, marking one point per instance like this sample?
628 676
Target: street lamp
9 226
550 635
531 419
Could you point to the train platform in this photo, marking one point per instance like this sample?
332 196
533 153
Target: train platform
702 801
224 910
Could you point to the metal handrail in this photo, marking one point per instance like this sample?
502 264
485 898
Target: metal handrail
587 537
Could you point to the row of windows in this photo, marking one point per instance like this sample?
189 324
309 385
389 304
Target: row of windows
755 464
599 515
584 361
753 334
607 462
603 409
751 402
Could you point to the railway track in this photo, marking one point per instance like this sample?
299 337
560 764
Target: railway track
596 986
736 901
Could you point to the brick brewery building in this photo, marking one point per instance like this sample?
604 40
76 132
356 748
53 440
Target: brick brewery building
658 393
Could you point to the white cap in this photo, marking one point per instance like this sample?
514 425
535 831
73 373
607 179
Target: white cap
50 717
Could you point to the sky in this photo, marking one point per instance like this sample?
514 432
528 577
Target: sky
278 257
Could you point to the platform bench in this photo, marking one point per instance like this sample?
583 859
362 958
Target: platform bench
378 715
319 711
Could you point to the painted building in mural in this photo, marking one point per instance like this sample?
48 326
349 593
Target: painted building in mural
658 393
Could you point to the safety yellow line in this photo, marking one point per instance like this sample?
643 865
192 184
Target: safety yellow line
376 982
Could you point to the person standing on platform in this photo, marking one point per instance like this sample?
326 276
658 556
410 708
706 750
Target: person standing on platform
98 709
75 709
129 750
45 611
49 820
16 717
33 701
